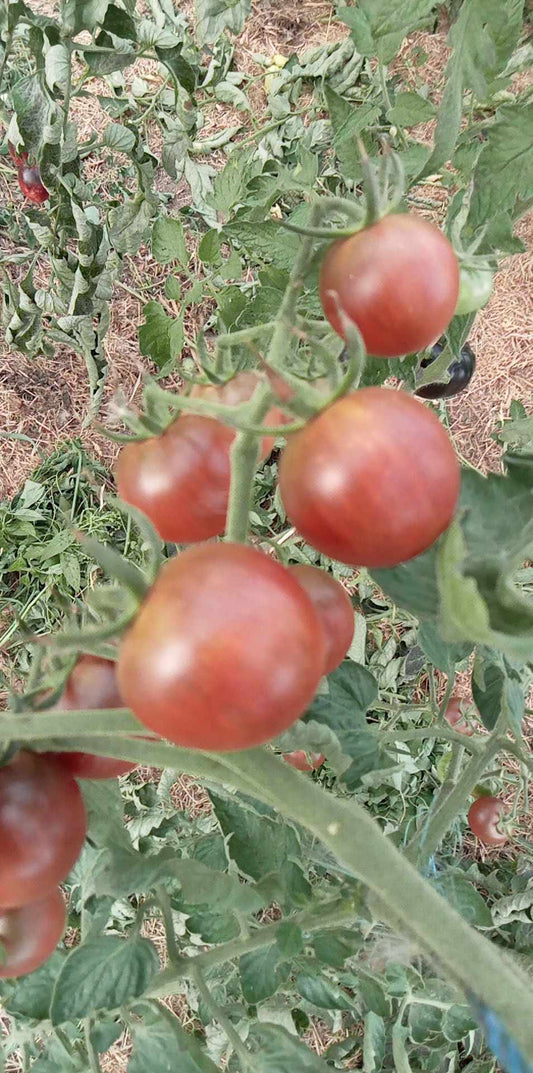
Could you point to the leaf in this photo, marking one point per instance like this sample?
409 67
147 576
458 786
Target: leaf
458 1022
262 973
32 995
168 241
180 69
230 94
121 871
102 974
161 337
80 15
351 691
118 137
32 108
289 939
373 1043
322 992
379 27
465 899
335 945
56 66
410 108
442 655
277 1051
162 1045
213 17
119 23
504 170
497 688
129 224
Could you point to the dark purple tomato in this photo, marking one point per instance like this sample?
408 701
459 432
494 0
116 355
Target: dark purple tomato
460 372
31 185
484 818
334 609
30 934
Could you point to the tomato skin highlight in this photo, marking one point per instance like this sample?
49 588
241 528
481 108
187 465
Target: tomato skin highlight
484 817
461 371
397 280
226 651
334 609
372 481
92 684
181 479
303 761
31 185
42 828
30 934
455 718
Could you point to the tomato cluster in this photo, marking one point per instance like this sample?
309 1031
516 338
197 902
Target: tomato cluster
29 177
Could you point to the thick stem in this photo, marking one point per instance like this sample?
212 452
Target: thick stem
220 1015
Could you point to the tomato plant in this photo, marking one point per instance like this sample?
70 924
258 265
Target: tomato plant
397 280
92 684
454 716
30 933
484 818
303 761
42 828
354 495
334 609
181 479
460 370
475 288
190 668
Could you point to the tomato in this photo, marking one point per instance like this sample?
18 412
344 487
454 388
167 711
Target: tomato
454 716
334 609
460 371
30 934
42 828
373 480
181 479
475 289
31 185
92 684
304 761
226 651
484 817
397 280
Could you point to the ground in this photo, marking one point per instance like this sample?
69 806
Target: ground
45 400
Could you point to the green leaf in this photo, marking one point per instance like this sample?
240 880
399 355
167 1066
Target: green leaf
379 27
373 995
410 108
335 945
442 655
119 23
83 15
374 1043
160 337
162 1045
262 973
121 871
458 1022
32 995
504 170
209 248
351 691
129 224
277 1051
32 108
497 688
180 69
213 17
322 992
230 94
118 137
56 66
168 241
465 899
349 122
289 939
102 974
264 241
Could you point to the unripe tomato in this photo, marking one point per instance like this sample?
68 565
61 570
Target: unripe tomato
454 716
484 818
30 934
226 651
475 288
181 479
373 480
334 609
397 280
42 828
303 761
460 371
92 684
31 185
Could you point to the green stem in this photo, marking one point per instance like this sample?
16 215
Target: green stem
451 801
244 460
220 1015
94 1064
425 734
170 934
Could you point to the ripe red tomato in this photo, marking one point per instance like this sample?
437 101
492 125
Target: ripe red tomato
181 479
303 761
373 480
30 934
454 716
92 684
42 828
484 817
31 185
226 651
397 280
334 609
